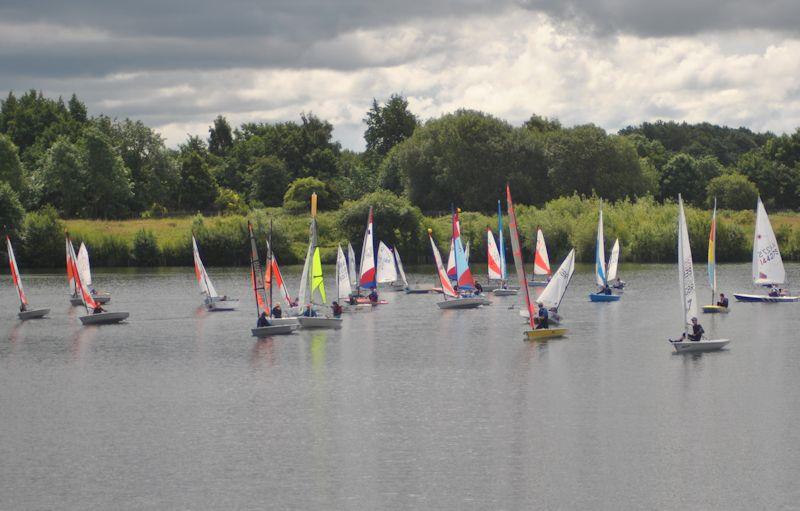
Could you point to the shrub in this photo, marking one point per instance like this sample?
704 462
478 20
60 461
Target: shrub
732 191
145 249
298 196
43 241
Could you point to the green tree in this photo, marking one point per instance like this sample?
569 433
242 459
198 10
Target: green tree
108 190
778 183
62 178
682 174
43 243
269 179
732 191
145 249
198 190
298 196
541 124
387 126
77 110
11 210
220 137
10 166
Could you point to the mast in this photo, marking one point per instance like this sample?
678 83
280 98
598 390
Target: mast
255 269
453 237
269 263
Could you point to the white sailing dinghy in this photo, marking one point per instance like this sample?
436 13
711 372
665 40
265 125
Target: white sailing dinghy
600 273
400 284
455 301
613 266
86 273
534 334
768 267
688 293
556 289
386 272
712 266
541 261
262 304
24 311
351 266
314 279
87 300
86 276
211 299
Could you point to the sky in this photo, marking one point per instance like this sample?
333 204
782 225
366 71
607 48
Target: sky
176 65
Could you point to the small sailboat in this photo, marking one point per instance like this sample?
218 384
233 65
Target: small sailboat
768 267
82 265
87 300
496 266
613 264
312 276
25 312
456 301
712 266
534 334
273 281
600 274
401 283
541 261
386 272
263 304
688 293
351 266
556 289
211 299
368 273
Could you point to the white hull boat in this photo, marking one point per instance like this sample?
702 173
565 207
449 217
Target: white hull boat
222 305
104 318
505 292
284 321
462 303
269 331
320 322
34 314
701 345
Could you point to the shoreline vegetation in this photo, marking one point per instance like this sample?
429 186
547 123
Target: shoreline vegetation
646 230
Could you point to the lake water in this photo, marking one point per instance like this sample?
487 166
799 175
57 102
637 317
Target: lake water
406 407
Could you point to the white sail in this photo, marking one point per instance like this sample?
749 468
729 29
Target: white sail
302 294
400 269
83 266
447 288
767 263
387 272
541 261
342 276
451 262
600 255
493 257
613 261
203 280
685 269
466 252
70 276
367 274
351 265
554 292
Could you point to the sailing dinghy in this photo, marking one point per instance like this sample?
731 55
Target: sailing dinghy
768 267
24 311
386 272
613 264
712 266
496 266
211 299
541 261
534 334
600 274
400 284
274 280
456 301
87 300
556 289
81 263
262 302
368 272
688 293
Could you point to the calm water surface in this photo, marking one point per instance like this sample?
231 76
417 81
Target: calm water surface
405 407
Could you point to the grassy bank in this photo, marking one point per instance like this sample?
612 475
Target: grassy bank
646 230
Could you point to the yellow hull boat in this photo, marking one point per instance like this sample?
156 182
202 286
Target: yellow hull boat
545 333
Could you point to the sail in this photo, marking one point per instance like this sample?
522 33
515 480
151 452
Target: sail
317 284
541 261
302 297
613 261
447 287
262 306
451 262
351 265
554 292
255 273
600 255
203 281
273 275
80 288
517 252
387 272
493 257
84 267
767 263
685 269
367 273
70 266
502 246
466 252
465 280
712 252
400 269
342 277
12 263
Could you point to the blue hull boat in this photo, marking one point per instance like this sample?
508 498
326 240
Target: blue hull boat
598 297
765 298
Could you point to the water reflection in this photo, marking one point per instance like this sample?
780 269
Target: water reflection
263 353
82 340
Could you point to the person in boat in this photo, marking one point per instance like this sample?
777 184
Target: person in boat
98 309
336 309
617 283
544 317
723 301
373 296
604 290
262 320
774 291
295 303
23 307
478 288
353 300
309 312
276 311
697 331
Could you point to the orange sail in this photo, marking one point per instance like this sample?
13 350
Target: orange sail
12 263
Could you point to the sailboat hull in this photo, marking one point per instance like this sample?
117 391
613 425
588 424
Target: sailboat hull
218 305
461 303
537 283
545 333
701 345
765 298
34 314
419 291
104 318
505 292
599 297
284 321
102 298
311 323
715 309
269 331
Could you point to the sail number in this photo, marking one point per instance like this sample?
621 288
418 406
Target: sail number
768 253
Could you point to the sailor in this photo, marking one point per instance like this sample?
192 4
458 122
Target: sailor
697 331
723 301
309 312
262 320
23 307
98 309
544 317
774 291
276 311
336 309
478 288
373 296
605 290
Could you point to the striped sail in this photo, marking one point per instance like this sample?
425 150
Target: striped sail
541 261
712 253
70 272
493 257
367 273
203 281
80 288
502 246
517 251
12 263
447 287
464 275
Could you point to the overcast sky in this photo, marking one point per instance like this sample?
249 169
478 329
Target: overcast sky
175 64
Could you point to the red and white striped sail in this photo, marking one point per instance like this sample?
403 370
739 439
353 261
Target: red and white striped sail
517 251
447 287
86 296
12 263
70 266
541 262
280 284
493 257
451 262
367 278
